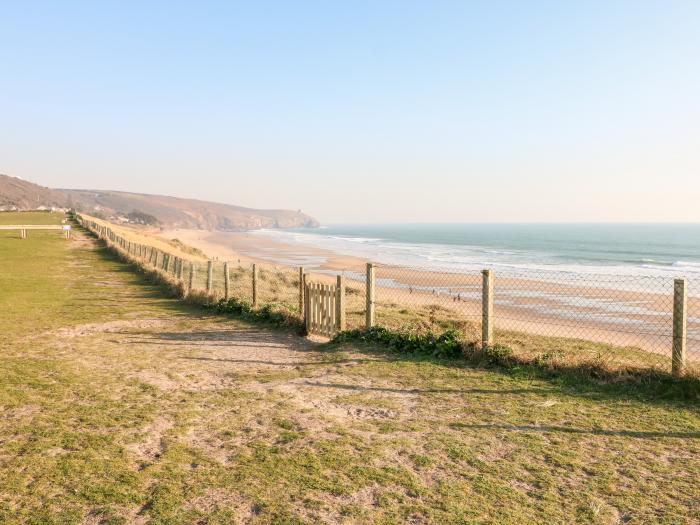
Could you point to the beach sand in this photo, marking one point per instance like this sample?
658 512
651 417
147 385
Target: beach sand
250 248
594 313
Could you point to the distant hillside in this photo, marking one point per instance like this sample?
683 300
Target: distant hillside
171 212
22 195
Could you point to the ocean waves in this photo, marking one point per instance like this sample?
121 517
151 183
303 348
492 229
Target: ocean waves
565 264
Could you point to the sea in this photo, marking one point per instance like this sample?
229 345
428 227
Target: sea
557 250
600 258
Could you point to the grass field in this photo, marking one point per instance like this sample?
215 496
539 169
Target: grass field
122 406
32 217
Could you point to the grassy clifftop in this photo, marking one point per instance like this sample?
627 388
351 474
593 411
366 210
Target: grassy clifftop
122 406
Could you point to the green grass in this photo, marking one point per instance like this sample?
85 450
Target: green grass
120 405
31 217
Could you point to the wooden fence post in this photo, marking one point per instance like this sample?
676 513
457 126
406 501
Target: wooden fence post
210 275
487 309
369 309
227 282
193 271
307 307
255 285
340 305
680 327
301 291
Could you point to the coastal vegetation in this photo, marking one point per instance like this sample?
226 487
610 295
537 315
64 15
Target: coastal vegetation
124 405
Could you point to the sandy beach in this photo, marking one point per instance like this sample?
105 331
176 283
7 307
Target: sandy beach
246 247
596 313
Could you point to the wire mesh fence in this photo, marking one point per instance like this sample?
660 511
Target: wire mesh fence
558 317
420 300
562 318
623 320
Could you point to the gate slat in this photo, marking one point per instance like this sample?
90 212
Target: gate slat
317 311
314 301
324 308
321 303
331 310
328 310
321 308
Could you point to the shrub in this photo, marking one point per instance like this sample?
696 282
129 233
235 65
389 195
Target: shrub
449 344
273 313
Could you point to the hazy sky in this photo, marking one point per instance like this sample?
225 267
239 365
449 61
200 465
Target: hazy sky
363 111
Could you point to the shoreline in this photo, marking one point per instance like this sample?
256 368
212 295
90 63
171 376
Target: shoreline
597 313
247 247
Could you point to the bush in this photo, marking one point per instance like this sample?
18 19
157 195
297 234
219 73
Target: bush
449 344
272 313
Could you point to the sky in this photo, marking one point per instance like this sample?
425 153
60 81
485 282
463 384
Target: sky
364 111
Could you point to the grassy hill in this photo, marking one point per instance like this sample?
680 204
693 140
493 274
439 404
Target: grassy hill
120 406
23 195
169 211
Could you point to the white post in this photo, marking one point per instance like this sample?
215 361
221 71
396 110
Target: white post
307 307
487 309
680 327
193 270
210 275
255 285
340 304
227 283
369 308
301 291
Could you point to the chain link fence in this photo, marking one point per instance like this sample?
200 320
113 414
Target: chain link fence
555 317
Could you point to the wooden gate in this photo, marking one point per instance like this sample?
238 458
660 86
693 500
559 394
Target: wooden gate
324 308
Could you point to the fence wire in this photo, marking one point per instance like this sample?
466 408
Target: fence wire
623 321
420 300
564 319
557 317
